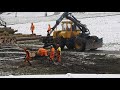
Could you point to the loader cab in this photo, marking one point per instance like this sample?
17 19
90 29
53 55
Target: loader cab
66 25
69 29
69 26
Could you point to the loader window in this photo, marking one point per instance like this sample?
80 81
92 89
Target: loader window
69 27
63 26
66 26
74 27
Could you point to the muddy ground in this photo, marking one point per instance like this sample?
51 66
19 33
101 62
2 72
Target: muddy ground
88 62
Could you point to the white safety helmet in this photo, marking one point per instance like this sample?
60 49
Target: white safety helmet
51 46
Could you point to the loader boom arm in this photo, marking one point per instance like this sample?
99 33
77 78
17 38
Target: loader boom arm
69 16
58 21
2 23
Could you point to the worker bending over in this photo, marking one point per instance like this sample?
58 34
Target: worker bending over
42 52
27 58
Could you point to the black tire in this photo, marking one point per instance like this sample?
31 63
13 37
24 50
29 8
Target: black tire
62 47
79 44
93 49
61 41
70 43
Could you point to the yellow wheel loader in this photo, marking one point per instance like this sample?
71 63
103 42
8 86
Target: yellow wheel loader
74 35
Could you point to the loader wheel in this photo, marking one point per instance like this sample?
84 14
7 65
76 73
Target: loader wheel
62 46
69 46
70 43
79 44
61 41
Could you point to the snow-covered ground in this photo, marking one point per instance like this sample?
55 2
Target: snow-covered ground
68 75
25 14
107 26
26 17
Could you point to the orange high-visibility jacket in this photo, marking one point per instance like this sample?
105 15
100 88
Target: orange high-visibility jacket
49 28
32 27
42 52
52 52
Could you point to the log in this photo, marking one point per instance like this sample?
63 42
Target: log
27 38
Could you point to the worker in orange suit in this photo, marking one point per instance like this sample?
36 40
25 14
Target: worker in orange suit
49 28
42 52
32 28
27 58
52 53
58 53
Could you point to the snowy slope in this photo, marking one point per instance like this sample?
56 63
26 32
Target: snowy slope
25 14
107 27
26 17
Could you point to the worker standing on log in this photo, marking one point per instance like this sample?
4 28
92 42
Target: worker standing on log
32 28
49 28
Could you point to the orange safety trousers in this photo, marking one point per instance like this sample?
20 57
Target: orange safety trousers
32 28
27 59
52 53
58 56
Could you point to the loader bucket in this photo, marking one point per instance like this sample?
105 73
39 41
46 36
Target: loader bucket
92 45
